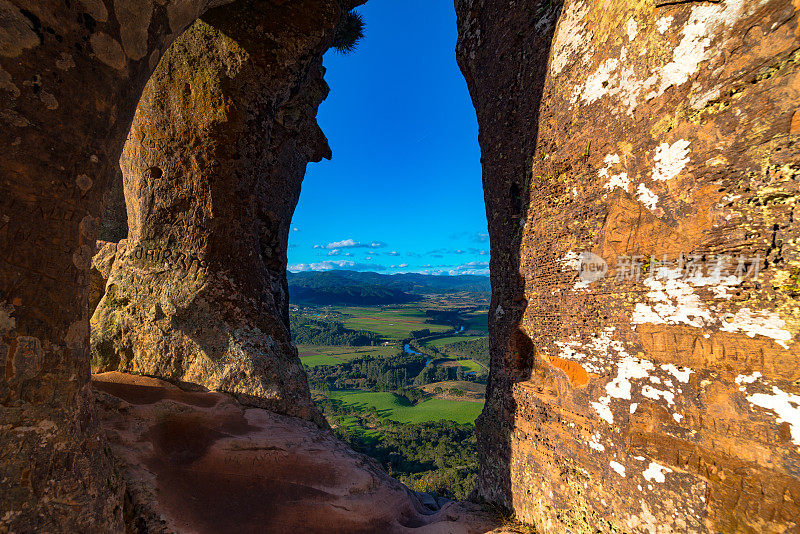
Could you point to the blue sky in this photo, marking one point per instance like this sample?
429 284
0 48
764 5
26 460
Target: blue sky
403 191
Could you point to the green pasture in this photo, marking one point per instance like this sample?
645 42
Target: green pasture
392 323
442 341
318 355
390 406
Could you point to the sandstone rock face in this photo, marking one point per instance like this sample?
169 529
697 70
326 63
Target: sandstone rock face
201 462
71 75
212 171
658 139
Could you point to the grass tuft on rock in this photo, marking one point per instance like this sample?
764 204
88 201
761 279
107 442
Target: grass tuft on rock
349 33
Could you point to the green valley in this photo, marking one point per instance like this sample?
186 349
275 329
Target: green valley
402 381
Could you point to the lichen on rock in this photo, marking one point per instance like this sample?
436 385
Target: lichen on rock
657 138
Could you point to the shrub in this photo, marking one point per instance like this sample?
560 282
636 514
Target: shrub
349 32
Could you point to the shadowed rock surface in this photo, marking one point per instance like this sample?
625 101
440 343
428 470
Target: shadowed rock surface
671 403
71 74
202 462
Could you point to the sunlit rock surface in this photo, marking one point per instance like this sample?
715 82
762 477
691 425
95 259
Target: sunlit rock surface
203 463
646 130
212 171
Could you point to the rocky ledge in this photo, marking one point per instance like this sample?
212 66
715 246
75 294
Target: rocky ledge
201 462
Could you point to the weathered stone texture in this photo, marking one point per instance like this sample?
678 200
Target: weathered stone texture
672 402
212 171
71 74
201 462
70 77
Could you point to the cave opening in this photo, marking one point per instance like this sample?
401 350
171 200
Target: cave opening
602 139
188 287
389 253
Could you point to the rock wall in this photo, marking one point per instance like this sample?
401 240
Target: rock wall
641 173
71 74
212 171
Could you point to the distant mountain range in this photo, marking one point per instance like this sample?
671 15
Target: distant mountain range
366 288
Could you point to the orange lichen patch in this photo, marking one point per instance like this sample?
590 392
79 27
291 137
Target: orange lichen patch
794 128
577 375
720 351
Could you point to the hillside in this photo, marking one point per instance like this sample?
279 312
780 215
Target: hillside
366 288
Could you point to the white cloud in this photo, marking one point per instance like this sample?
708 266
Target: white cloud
351 243
472 267
347 243
333 265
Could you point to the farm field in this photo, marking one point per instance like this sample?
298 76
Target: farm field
477 322
441 342
390 406
392 323
391 403
470 365
352 424
318 355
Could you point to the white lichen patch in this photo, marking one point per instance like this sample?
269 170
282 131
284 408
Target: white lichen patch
652 393
571 38
614 78
748 379
629 368
675 303
664 23
633 29
582 284
646 197
681 374
763 323
705 21
598 83
618 467
571 260
595 444
603 409
785 405
705 31
593 354
655 473
678 417
670 160
613 180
